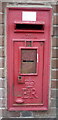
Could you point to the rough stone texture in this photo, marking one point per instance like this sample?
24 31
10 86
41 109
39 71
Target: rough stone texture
1 52
51 113
53 93
26 114
57 94
2 93
2 102
4 4
1 18
56 8
1 40
55 42
0 6
54 84
54 74
2 82
8 114
1 29
54 53
53 103
0 112
28 119
54 64
29 1
55 30
1 73
55 20
1 63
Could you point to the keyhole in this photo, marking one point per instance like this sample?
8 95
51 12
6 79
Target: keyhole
19 77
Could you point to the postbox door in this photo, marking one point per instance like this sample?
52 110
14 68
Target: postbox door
28 73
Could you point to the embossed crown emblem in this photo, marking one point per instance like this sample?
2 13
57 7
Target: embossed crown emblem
29 83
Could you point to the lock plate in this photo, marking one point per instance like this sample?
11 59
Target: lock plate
21 80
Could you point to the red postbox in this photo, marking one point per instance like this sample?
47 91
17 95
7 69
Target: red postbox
28 57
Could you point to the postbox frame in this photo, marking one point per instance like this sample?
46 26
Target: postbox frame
24 74
43 106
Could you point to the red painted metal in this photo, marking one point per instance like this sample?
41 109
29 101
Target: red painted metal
28 90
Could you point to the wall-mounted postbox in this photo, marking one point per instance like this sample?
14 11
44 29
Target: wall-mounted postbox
28 57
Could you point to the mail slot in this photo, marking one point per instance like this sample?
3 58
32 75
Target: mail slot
39 27
28 57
